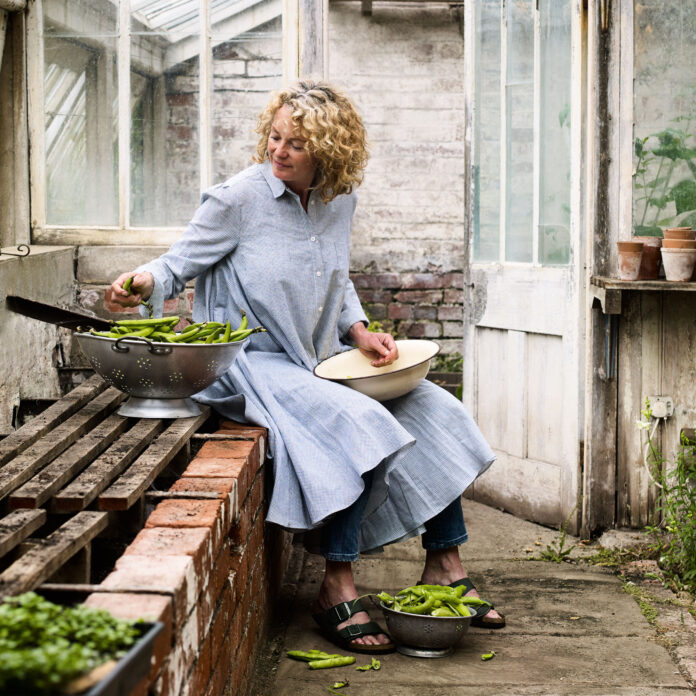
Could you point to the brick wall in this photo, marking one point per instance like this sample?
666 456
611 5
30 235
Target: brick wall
245 71
207 568
416 305
404 67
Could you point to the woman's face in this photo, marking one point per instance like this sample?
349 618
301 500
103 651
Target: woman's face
289 158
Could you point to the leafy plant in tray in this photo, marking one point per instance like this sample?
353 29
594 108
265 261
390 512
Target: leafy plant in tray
45 646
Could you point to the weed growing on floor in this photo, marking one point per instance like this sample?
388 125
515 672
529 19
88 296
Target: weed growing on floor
616 558
674 536
643 599
557 551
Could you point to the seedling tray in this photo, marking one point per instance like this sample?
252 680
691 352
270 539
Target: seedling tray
131 668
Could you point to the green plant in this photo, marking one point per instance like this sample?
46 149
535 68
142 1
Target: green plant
557 551
674 534
644 600
44 645
659 157
373 324
451 362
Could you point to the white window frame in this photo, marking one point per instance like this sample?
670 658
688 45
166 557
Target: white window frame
305 45
470 53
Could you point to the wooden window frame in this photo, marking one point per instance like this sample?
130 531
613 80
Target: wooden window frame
305 52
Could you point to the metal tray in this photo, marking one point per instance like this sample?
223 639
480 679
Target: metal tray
131 668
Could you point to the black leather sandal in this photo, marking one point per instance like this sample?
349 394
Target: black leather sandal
343 638
481 610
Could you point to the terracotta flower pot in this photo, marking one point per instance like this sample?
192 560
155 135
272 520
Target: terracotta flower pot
679 244
679 233
679 263
651 260
630 255
629 246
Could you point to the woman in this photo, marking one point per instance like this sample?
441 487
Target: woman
274 240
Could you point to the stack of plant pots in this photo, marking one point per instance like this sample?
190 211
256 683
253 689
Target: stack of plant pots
679 253
651 260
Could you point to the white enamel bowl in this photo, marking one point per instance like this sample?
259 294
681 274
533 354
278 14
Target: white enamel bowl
353 369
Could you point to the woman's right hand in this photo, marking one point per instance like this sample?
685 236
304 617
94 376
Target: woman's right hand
141 288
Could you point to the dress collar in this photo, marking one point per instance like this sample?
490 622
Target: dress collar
276 185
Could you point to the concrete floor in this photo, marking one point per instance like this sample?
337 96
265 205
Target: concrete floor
571 628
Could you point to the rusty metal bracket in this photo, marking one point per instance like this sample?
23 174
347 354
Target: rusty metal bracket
604 14
21 247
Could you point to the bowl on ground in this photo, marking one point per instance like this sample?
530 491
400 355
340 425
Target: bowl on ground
421 635
159 378
353 369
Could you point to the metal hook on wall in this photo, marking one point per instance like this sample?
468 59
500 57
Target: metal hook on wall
21 247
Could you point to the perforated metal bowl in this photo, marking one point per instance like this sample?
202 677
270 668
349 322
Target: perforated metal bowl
425 636
158 377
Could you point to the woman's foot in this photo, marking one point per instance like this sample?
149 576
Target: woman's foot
338 586
443 567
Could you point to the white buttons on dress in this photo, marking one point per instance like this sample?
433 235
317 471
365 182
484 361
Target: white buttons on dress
318 273
312 239
320 308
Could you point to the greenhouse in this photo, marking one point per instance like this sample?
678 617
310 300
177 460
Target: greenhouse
273 268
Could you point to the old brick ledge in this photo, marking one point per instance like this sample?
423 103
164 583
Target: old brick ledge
208 569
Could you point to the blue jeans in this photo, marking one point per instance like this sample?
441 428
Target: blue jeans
339 536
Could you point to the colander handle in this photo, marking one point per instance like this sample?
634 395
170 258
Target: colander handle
152 348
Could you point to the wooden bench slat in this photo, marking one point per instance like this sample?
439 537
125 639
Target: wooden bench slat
43 485
15 443
133 483
20 469
17 526
48 555
105 468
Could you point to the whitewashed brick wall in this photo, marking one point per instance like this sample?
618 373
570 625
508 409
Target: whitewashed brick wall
404 67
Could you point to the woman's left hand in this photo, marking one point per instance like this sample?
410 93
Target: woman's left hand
380 347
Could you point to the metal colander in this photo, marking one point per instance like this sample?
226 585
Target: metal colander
158 377
420 635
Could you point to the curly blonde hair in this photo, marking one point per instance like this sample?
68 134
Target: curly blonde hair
334 133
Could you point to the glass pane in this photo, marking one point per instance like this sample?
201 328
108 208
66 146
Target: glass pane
519 97
247 66
80 107
487 132
664 181
554 203
165 83
80 18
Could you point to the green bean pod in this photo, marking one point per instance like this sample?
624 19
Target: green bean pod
226 334
331 662
154 321
310 655
422 608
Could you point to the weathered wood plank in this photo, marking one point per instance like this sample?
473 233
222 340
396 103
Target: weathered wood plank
652 285
20 469
599 485
105 468
17 526
18 441
133 483
48 555
42 486
629 467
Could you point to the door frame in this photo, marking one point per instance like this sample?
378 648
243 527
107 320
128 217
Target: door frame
478 299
